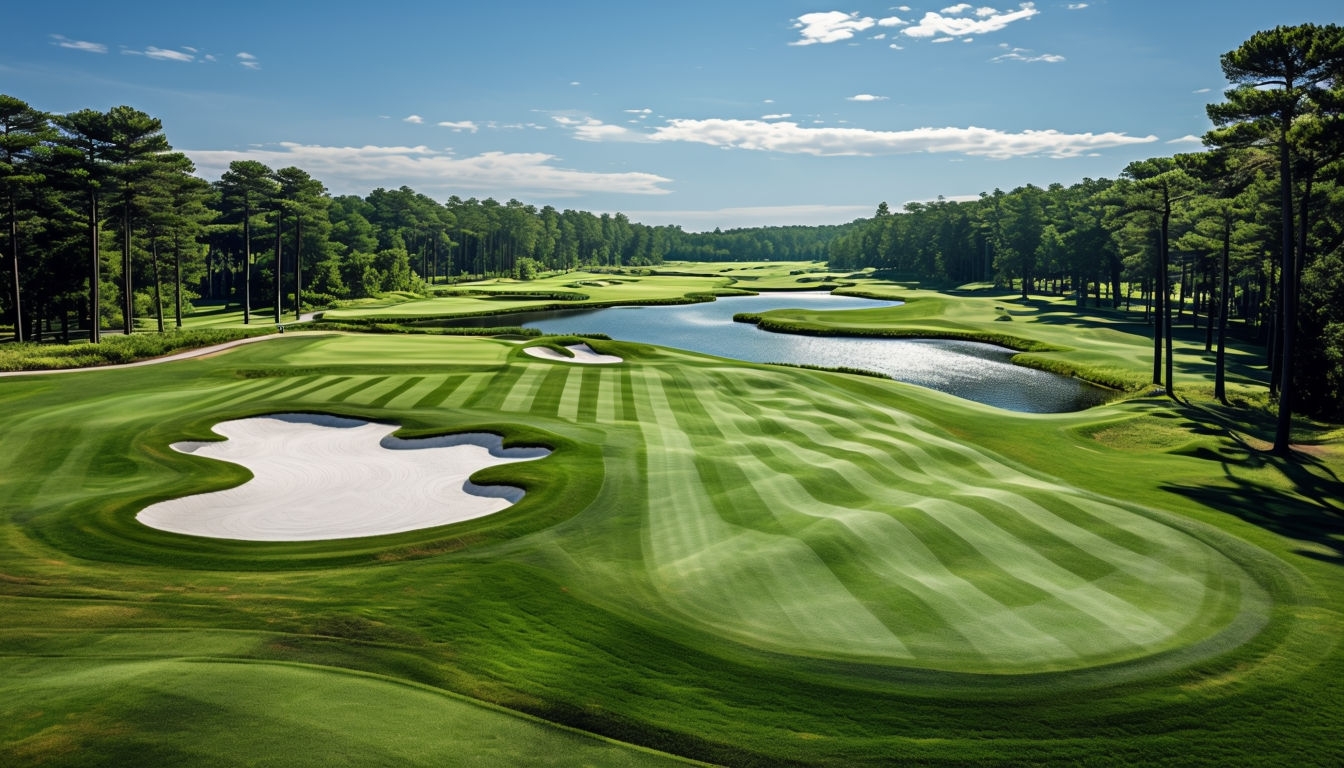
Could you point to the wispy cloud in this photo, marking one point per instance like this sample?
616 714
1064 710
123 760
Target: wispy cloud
355 170
592 129
413 119
952 22
1025 54
1076 6
78 45
791 138
865 97
459 126
1189 138
781 116
161 54
248 60
829 27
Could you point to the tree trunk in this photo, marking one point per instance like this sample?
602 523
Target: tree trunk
1220 362
158 281
177 278
1288 291
298 266
95 273
279 271
127 300
1164 317
247 262
14 260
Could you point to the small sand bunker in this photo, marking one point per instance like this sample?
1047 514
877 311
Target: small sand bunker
324 477
582 354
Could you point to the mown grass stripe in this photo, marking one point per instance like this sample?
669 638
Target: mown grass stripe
440 393
524 389
589 394
361 383
546 400
382 400
471 388
608 395
321 383
571 396
490 396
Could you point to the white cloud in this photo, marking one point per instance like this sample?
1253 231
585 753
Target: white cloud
782 116
829 26
1201 90
78 45
959 8
1187 139
790 138
162 54
892 21
1076 6
413 119
248 60
592 129
896 47
1024 54
355 170
460 125
865 97
754 216
943 39
937 24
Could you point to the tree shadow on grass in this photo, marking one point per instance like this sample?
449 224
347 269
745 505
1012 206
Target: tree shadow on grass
1311 511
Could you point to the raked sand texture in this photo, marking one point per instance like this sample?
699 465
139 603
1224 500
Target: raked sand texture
323 477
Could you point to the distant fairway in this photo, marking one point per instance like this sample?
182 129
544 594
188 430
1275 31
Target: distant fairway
742 563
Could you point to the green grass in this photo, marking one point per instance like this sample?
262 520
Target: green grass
743 564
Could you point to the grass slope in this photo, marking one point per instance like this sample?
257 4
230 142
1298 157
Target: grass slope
743 564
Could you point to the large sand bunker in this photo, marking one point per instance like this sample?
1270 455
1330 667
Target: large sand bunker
324 477
582 354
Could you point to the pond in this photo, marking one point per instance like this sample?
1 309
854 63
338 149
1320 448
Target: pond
970 370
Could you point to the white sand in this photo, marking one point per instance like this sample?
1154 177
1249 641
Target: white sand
323 477
582 354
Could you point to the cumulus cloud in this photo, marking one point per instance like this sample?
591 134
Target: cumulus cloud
781 116
959 8
829 27
892 21
248 60
355 170
791 138
942 24
865 97
460 125
78 45
413 119
1024 54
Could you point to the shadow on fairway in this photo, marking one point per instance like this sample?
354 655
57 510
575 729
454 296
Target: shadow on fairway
1313 514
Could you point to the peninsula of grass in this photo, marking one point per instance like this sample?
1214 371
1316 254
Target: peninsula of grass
736 563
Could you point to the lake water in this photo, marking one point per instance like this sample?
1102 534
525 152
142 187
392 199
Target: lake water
974 371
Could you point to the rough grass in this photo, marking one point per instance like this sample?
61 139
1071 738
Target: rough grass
745 564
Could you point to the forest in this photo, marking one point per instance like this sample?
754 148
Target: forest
103 219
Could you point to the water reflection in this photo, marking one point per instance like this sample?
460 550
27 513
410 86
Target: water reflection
974 371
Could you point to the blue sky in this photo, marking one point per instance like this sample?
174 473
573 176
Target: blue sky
704 114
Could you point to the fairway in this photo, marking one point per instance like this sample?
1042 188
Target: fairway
702 532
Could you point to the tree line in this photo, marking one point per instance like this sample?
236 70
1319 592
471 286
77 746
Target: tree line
1251 228
103 220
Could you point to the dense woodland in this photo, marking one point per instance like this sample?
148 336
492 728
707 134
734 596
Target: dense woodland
103 219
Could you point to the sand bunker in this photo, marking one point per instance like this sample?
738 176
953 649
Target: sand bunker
324 477
582 354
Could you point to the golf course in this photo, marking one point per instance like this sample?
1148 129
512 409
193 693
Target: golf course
380 538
